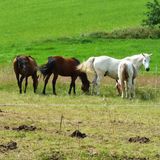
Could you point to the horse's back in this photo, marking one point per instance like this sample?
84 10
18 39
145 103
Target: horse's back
63 66
106 65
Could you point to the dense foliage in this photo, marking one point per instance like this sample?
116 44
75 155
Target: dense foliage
153 14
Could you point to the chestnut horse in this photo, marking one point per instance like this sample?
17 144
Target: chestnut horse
25 66
58 65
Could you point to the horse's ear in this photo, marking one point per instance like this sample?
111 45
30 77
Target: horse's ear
143 55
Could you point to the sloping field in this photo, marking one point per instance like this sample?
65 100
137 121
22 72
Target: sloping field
26 21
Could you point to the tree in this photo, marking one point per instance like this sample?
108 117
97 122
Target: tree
153 14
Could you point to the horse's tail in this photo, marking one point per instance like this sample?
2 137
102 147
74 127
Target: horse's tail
87 66
123 72
47 68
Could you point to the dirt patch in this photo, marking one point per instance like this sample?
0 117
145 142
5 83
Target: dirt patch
78 134
9 146
25 128
139 139
57 156
54 155
135 158
6 127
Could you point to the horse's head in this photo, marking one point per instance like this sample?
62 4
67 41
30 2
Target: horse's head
85 82
85 88
146 61
22 63
118 87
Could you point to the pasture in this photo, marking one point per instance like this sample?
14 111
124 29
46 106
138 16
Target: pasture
26 21
41 125
107 120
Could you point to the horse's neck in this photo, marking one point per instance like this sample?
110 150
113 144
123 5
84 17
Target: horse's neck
83 77
137 62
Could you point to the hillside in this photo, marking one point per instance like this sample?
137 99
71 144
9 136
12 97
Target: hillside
26 21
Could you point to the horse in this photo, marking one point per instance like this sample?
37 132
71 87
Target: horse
58 65
25 66
107 66
126 74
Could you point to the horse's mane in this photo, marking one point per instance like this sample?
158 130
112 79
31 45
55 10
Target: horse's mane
76 60
137 55
133 56
31 57
26 57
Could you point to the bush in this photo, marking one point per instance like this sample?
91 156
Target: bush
153 14
128 33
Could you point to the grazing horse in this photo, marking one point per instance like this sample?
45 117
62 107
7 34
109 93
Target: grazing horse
58 65
126 75
25 66
107 66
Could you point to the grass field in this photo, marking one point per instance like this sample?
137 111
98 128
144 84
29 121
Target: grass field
26 21
107 120
47 28
82 48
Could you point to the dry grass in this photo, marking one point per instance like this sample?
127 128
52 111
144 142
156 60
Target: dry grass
108 122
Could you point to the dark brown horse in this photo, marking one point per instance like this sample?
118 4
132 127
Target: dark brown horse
58 65
25 66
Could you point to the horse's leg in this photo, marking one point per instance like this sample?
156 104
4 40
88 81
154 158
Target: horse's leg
133 89
94 83
45 83
72 84
100 75
20 84
126 89
35 82
54 83
123 87
129 88
17 77
26 83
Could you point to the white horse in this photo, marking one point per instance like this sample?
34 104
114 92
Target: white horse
107 66
126 74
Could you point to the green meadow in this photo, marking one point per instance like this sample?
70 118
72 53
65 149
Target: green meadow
83 48
47 28
26 21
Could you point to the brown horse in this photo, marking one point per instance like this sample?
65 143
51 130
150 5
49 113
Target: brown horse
25 66
58 65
